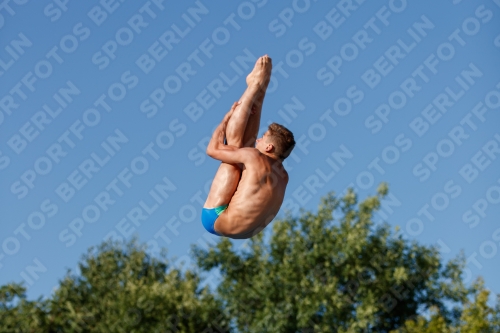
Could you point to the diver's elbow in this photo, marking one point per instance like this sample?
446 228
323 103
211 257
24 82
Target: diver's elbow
210 151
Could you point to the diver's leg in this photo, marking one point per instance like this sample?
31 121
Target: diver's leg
223 185
245 120
228 176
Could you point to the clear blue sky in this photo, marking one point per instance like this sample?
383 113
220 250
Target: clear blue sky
103 102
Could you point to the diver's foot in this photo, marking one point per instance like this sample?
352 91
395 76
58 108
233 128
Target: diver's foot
261 73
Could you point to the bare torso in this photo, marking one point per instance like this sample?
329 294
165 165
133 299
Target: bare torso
257 199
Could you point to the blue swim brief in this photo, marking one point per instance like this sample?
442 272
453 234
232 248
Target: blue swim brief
208 217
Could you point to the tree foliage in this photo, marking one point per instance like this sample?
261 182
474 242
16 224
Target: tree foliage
120 288
330 271
477 317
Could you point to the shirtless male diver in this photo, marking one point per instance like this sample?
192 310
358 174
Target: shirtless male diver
249 186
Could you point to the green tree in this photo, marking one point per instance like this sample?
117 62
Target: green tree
120 289
435 324
17 314
320 273
331 271
477 317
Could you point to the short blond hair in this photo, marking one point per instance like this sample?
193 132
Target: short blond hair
282 139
